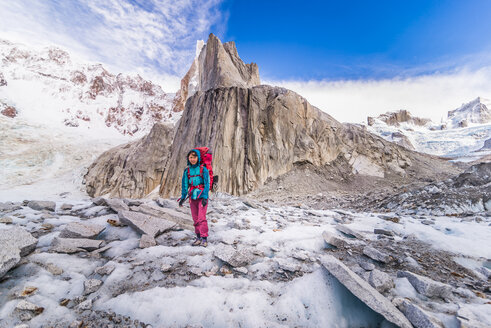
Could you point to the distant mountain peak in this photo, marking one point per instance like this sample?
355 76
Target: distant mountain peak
477 111
49 85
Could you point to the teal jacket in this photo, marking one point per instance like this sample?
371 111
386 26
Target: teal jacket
197 179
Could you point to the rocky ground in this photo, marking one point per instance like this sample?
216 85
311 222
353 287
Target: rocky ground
129 263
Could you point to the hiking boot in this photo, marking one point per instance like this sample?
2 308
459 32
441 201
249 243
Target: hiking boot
196 242
204 242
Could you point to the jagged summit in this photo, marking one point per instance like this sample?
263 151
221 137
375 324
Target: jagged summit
216 65
50 86
477 111
220 67
397 117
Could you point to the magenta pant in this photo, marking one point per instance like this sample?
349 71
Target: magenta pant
198 212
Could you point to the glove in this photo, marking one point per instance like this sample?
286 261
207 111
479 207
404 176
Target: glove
204 202
181 202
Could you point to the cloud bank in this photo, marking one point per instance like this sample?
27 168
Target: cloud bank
428 96
155 38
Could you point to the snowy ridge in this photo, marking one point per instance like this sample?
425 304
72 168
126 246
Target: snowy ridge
47 86
453 138
477 111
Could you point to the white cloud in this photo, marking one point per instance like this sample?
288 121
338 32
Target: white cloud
425 96
155 38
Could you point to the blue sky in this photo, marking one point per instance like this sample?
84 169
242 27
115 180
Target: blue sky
325 50
359 39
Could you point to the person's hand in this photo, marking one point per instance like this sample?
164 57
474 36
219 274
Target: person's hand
181 202
204 202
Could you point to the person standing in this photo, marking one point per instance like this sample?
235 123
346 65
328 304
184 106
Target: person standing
196 186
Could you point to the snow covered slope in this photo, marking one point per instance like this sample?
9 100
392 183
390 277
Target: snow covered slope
58 114
47 86
462 137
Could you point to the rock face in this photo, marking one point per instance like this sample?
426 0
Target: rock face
14 243
264 132
256 133
132 170
395 118
220 66
81 230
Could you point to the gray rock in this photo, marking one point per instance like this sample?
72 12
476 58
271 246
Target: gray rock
74 245
134 169
40 205
66 207
367 266
99 201
6 220
428 222
167 203
417 316
288 264
107 269
236 258
183 220
383 232
85 305
15 243
348 231
427 286
411 262
27 310
146 224
117 205
334 240
381 281
53 269
376 255
363 291
147 241
9 207
81 230
91 285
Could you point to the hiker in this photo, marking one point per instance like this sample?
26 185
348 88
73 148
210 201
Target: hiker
196 185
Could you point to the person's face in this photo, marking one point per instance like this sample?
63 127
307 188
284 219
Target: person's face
193 159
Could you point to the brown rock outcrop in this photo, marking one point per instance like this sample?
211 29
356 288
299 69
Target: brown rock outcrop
263 132
132 170
395 118
256 133
216 65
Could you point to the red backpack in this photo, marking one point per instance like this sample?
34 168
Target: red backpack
206 158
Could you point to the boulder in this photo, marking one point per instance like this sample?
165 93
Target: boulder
417 316
91 285
376 255
232 256
15 243
39 205
147 241
132 170
107 269
381 281
81 230
334 240
74 245
117 205
146 224
181 219
348 231
385 232
427 286
363 291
